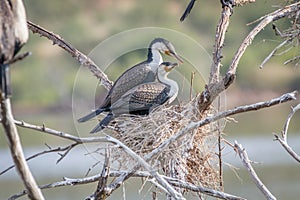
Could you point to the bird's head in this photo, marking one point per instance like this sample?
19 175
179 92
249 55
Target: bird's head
165 47
166 67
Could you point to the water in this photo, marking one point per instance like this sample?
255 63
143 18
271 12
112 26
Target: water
278 171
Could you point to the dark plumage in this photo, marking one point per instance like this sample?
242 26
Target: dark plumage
13 35
143 98
229 3
143 72
187 10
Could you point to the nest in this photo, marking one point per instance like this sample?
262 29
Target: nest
191 158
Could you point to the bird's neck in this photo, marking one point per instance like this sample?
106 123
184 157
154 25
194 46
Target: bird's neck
154 56
173 86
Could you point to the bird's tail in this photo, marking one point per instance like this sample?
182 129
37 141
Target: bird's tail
91 115
103 123
5 80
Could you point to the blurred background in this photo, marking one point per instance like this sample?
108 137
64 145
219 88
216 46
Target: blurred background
43 85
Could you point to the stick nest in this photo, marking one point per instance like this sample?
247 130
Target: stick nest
191 158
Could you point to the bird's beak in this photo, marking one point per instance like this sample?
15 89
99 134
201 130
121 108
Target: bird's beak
169 68
173 54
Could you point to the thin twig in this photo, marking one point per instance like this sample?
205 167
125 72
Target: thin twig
58 149
203 190
68 149
283 140
287 123
292 60
246 162
272 53
60 134
80 57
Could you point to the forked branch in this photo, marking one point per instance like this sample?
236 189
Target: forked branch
283 140
80 57
246 162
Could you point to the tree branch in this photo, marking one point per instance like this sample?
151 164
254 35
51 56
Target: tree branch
16 150
283 140
80 57
58 149
219 43
278 14
143 174
60 134
246 162
143 162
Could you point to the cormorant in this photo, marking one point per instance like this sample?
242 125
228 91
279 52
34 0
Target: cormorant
143 72
143 98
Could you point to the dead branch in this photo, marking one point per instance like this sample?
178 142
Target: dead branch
58 149
60 134
219 43
213 90
16 150
246 162
203 190
100 193
143 162
143 174
278 14
283 140
80 57
272 53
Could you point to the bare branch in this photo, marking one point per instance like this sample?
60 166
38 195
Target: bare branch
145 165
283 140
80 57
289 149
16 150
272 53
58 149
60 134
219 43
292 60
100 193
286 126
207 191
172 181
246 162
278 14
